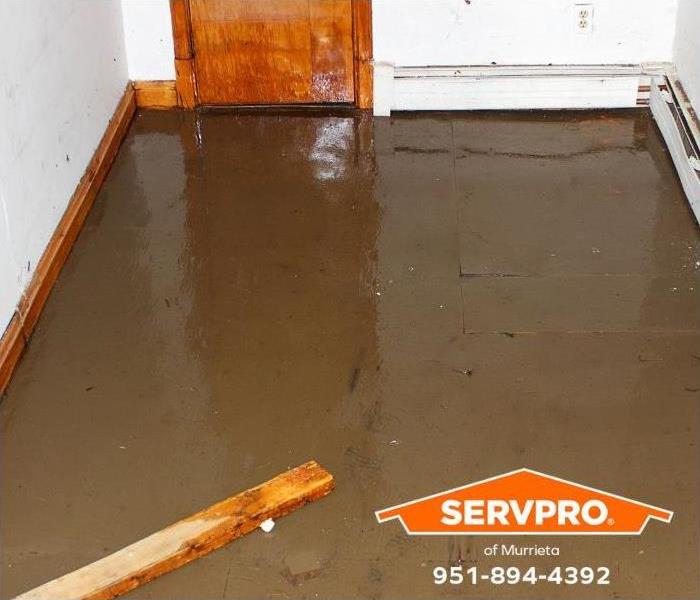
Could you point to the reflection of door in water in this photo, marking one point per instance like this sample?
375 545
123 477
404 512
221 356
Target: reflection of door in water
273 51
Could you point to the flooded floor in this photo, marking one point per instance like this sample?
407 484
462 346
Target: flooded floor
416 303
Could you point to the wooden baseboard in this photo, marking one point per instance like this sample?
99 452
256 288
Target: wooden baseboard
156 94
30 306
12 346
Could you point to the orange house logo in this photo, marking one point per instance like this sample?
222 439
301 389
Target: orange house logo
524 502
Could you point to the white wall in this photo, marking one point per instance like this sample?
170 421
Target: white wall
62 73
686 53
149 39
535 32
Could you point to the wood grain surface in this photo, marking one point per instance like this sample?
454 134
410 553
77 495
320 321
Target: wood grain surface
273 52
190 538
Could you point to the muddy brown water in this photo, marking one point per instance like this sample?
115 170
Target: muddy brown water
416 302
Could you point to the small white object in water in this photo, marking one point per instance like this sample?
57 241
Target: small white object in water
267 525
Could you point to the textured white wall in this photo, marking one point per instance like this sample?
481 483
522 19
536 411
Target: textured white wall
534 32
686 53
148 36
62 73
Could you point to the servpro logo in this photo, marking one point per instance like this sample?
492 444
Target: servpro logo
524 502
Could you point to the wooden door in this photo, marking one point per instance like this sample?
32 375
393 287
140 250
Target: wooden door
273 51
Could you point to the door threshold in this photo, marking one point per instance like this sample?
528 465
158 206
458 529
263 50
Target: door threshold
335 109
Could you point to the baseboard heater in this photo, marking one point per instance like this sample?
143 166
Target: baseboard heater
510 87
679 127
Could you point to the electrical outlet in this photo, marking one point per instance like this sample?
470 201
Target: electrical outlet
583 18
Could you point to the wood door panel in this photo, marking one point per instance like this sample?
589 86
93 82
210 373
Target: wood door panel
331 50
273 51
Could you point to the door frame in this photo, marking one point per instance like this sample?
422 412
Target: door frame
186 76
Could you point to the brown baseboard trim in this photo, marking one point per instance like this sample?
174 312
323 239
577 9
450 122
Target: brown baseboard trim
12 345
156 94
30 306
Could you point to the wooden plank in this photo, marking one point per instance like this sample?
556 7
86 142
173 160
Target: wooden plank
190 538
362 52
156 94
61 242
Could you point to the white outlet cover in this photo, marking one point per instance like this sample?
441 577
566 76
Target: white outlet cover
583 18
